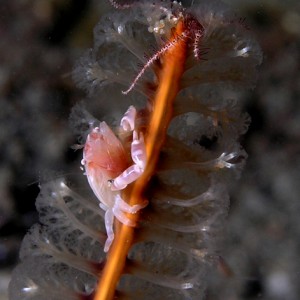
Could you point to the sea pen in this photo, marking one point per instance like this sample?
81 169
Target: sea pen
186 97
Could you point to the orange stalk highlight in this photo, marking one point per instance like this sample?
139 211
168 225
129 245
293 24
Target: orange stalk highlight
168 87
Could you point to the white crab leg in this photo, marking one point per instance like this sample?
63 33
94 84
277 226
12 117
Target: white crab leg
120 215
129 175
138 150
128 120
109 222
120 204
121 207
132 173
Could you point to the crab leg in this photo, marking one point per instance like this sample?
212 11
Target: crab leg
132 173
128 120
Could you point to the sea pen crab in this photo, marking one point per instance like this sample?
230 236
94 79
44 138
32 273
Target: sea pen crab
108 170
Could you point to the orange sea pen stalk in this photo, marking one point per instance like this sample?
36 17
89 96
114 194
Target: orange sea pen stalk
173 62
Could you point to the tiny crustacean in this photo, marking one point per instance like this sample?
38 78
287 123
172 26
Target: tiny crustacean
106 167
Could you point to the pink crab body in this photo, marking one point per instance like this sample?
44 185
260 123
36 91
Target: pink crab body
104 158
108 170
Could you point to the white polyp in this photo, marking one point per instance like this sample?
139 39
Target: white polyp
242 49
187 285
159 27
30 289
222 161
120 29
63 185
243 52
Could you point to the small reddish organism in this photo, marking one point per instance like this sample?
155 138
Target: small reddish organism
165 23
106 167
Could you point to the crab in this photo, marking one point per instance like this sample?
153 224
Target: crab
109 170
